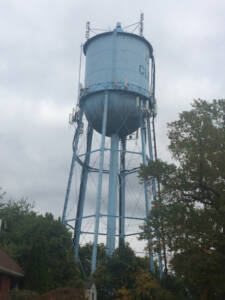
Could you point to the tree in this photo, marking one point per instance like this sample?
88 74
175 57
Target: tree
1 196
41 245
145 287
117 272
85 253
192 202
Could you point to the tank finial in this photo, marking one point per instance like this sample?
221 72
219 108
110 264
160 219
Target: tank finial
118 26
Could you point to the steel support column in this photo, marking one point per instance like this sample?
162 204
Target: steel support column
75 146
112 196
122 183
99 192
154 192
144 161
82 192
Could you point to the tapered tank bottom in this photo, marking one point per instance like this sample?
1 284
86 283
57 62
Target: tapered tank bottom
123 114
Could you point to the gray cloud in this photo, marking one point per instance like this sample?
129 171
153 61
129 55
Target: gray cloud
39 57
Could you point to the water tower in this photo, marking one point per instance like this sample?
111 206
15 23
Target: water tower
116 102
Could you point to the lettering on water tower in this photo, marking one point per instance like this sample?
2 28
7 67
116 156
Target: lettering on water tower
144 71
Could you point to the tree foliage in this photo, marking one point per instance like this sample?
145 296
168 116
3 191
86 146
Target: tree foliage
145 287
40 244
191 206
117 272
85 253
17 294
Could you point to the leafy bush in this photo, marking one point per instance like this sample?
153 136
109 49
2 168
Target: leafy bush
17 294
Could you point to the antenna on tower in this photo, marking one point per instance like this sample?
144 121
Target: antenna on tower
141 24
87 33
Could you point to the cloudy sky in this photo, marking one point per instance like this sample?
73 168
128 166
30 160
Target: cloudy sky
39 54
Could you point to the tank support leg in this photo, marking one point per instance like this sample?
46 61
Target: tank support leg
144 161
75 146
82 192
99 192
154 192
112 196
122 193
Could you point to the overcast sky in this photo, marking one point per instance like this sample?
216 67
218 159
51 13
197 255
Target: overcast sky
39 53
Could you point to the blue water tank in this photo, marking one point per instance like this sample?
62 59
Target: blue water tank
117 62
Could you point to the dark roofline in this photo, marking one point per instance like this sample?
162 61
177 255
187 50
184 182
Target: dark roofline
10 272
9 266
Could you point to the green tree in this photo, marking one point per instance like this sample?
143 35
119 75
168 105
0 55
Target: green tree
1 196
85 253
41 245
117 272
192 202
38 280
145 287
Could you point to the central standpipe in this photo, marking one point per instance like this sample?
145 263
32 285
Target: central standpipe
122 193
112 197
